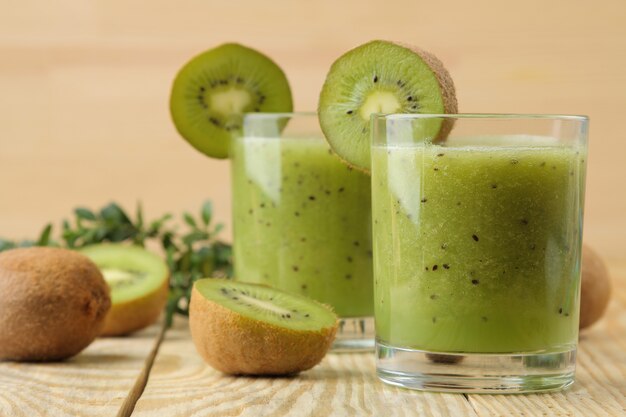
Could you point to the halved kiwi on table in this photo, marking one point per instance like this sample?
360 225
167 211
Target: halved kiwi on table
249 329
214 89
382 77
139 285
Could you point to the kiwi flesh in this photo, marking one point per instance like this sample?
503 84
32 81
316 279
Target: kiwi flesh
250 329
215 88
53 303
382 77
139 285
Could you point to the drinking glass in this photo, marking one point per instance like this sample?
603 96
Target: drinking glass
477 249
302 220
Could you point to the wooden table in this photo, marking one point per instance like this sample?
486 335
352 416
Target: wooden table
108 377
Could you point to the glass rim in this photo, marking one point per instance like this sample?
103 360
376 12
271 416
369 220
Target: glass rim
278 115
494 116
401 116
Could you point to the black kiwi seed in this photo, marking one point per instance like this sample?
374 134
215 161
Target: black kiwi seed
349 112
375 78
475 238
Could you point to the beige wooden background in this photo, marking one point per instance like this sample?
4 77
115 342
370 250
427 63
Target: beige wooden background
84 87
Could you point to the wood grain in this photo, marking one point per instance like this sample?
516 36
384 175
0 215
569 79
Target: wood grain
181 384
346 385
111 372
85 84
94 383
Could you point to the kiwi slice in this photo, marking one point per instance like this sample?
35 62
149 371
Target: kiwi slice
139 285
382 77
249 329
214 89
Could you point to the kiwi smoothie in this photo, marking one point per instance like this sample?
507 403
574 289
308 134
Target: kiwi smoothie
302 221
477 247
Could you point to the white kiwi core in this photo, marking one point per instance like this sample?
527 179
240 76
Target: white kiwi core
379 102
230 101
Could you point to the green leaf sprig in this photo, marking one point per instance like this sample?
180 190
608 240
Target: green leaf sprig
191 254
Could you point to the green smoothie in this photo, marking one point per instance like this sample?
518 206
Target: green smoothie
477 247
302 222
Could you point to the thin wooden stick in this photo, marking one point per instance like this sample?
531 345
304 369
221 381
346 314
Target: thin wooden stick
142 379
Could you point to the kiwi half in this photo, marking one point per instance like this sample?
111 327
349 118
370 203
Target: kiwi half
213 90
382 77
138 280
250 329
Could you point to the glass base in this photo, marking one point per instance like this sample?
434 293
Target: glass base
355 334
475 373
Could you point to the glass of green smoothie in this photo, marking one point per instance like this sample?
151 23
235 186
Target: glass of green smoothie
477 248
302 220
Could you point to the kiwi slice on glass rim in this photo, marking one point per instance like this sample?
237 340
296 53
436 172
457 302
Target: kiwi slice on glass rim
249 329
382 77
139 283
215 88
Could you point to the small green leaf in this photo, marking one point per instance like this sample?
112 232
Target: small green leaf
85 214
218 228
190 220
194 237
207 212
6 245
114 214
44 238
139 215
156 225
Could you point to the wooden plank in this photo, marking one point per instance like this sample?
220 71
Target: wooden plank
94 383
181 384
600 387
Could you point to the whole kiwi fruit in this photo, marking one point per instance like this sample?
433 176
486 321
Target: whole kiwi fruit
53 303
595 288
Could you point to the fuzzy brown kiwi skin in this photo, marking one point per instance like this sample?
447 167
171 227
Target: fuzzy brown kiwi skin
448 91
237 345
595 288
133 315
53 303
